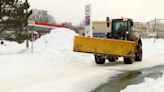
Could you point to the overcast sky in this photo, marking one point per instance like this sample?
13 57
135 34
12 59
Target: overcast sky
73 10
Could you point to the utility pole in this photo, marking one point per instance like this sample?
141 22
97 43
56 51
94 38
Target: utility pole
27 41
155 27
32 40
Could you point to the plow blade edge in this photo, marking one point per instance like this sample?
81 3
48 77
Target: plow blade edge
104 46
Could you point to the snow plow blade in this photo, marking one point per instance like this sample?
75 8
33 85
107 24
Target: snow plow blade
104 46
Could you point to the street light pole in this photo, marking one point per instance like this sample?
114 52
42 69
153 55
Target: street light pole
155 26
32 39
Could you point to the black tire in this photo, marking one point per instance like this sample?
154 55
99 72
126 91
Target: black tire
129 60
99 60
138 55
113 59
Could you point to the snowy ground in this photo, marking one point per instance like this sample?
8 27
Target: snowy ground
150 85
54 67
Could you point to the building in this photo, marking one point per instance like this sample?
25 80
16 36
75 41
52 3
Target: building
99 29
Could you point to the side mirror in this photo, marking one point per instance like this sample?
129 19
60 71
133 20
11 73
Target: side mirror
108 21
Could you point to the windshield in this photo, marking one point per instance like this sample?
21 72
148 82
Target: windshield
119 26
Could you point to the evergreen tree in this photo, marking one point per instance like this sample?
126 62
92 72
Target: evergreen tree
14 14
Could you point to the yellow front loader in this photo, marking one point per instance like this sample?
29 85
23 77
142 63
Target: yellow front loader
120 42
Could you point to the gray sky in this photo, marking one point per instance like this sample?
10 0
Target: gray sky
73 10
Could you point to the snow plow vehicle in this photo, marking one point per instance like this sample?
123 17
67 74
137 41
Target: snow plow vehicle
121 41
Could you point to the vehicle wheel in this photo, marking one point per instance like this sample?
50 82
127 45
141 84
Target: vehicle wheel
113 59
128 60
138 55
99 60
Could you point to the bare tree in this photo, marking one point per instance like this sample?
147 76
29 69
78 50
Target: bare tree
41 16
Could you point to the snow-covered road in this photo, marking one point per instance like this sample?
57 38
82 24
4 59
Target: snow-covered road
54 67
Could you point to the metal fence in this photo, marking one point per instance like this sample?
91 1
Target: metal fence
153 28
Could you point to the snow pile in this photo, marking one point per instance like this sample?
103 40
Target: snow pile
10 48
58 39
50 51
150 85
57 48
